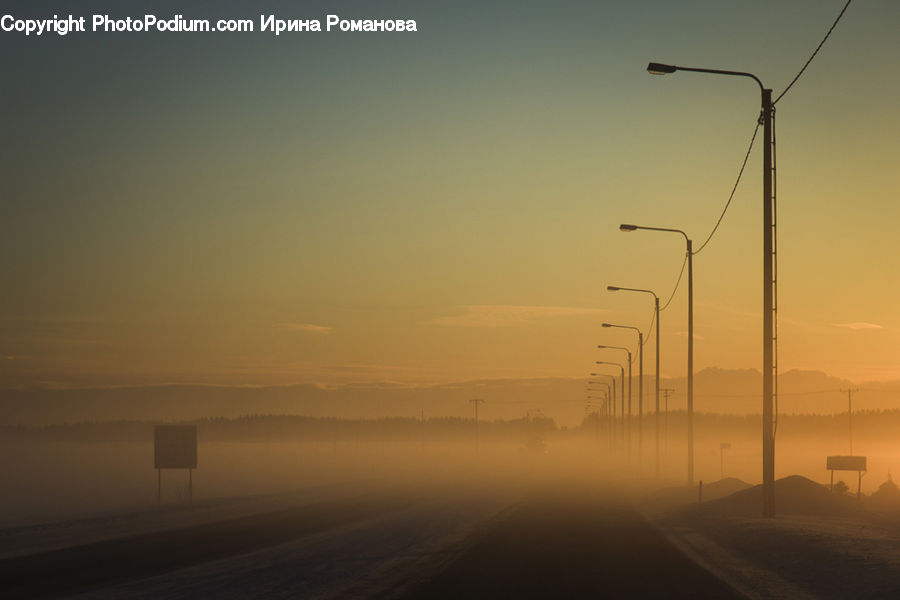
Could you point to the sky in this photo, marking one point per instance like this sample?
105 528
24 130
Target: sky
441 205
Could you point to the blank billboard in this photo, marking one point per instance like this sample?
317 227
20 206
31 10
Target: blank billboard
846 463
175 446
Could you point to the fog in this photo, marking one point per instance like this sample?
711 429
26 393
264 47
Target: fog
53 474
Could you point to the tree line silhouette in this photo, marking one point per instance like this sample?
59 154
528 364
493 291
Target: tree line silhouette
293 428
871 424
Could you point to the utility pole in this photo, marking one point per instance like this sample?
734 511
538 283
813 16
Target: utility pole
609 402
622 409
690 360
656 416
476 402
689 257
611 409
630 380
640 397
769 307
850 415
629 405
622 369
770 281
666 391
615 288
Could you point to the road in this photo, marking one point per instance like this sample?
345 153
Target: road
561 544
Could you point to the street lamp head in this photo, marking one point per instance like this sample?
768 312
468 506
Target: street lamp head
627 227
660 69
612 288
606 325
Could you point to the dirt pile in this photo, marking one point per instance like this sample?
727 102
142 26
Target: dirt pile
794 495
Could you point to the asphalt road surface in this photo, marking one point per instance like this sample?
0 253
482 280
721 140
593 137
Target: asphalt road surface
581 546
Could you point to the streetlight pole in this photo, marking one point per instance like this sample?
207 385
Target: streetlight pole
610 400
622 392
613 288
604 405
770 290
666 391
592 405
690 357
611 409
640 387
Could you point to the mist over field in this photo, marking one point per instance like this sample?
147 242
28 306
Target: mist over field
92 467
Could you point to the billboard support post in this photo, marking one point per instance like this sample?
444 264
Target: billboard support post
175 447
848 463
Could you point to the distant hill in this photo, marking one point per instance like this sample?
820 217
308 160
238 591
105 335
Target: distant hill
716 391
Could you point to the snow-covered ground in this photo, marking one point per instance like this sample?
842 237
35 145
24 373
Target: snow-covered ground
819 546
44 537
341 541
358 560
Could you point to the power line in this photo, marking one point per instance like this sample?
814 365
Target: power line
733 190
743 167
649 329
816 51
677 283
804 393
756 395
719 222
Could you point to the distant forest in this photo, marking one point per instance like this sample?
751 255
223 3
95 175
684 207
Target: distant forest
292 428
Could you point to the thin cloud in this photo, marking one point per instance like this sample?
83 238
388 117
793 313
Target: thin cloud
684 334
306 328
858 325
505 315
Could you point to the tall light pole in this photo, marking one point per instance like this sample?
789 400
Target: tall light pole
630 379
666 391
613 288
603 404
622 392
690 357
610 400
612 404
608 389
640 387
770 291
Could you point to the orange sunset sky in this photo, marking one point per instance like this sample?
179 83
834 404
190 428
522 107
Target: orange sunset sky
444 205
